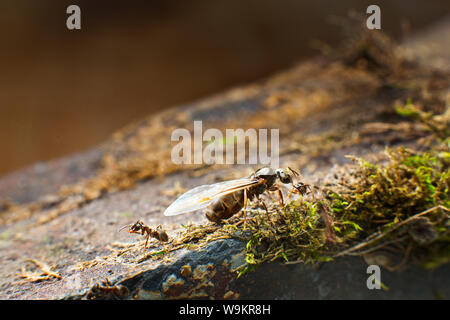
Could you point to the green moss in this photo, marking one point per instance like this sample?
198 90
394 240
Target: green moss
410 183
409 110
370 201
437 124
294 233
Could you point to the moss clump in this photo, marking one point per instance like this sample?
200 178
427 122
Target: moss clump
369 207
294 233
410 183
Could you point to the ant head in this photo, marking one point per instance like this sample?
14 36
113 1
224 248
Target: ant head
137 227
285 175
134 228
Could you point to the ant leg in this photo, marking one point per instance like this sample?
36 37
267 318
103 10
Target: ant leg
265 207
280 197
276 188
270 195
312 192
146 241
163 245
290 193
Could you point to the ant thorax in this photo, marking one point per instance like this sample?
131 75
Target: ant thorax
268 175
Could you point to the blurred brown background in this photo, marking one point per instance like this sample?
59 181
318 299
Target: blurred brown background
64 91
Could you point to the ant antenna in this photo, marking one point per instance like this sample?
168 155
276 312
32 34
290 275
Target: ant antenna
127 226
293 171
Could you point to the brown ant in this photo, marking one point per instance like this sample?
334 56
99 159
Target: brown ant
140 228
302 188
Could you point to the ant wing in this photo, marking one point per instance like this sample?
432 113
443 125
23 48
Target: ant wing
202 196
